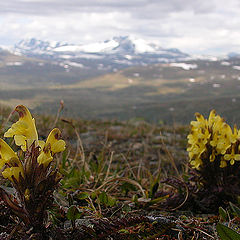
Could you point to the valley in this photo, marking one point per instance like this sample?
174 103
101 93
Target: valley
168 92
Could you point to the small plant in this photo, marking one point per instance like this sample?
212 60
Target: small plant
29 171
214 152
228 227
213 140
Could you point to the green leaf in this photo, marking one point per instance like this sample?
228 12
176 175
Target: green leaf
64 158
157 200
226 233
135 198
82 195
125 231
73 213
111 201
93 195
103 198
126 208
126 187
70 199
223 214
235 209
154 189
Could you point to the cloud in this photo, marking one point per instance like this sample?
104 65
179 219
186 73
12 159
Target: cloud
193 26
140 8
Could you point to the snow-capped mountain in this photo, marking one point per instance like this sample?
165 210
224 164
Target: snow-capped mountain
233 55
35 46
116 45
115 53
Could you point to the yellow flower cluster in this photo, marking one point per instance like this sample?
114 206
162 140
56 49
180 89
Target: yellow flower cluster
212 140
25 135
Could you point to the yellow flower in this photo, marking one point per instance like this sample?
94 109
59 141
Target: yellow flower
195 152
205 135
57 144
217 127
10 159
196 163
45 157
198 148
24 130
224 141
6 153
200 123
27 194
211 139
232 157
223 164
213 156
193 138
13 172
212 118
234 136
53 145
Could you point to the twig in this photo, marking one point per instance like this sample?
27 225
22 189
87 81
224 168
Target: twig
6 121
159 163
170 157
92 205
139 168
109 166
129 167
204 232
80 148
125 180
58 113
185 199
13 232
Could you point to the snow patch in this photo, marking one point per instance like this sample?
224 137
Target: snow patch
136 74
225 63
90 48
216 85
128 57
14 64
142 46
236 67
65 56
184 66
75 64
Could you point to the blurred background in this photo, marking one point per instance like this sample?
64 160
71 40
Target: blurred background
160 61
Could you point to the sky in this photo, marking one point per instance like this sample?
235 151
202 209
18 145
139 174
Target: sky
193 26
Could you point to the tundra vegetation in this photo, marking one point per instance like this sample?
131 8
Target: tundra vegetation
77 179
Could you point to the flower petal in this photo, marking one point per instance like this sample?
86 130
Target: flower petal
24 127
53 139
58 146
20 140
6 153
41 144
13 171
44 158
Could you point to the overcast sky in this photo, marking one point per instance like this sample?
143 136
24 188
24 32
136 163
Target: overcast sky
193 26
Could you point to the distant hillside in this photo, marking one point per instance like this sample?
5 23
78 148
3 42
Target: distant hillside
169 92
106 56
119 78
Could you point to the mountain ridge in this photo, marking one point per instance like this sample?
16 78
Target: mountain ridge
119 46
